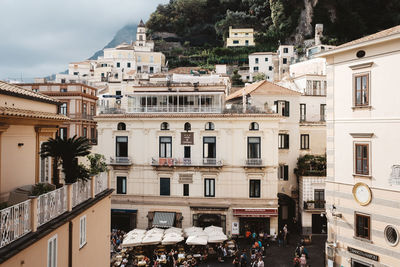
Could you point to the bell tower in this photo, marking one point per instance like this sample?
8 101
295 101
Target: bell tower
141 34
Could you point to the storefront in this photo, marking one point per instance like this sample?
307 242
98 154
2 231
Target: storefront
208 216
255 220
358 260
164 219
123 219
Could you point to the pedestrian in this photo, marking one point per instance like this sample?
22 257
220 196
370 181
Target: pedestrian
236 261
296 261
248 236
243 259
303 261
285 235
260 262
280 238
254 235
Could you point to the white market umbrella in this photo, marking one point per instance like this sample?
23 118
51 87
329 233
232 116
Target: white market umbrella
217 238
172 238
213 228
152 239
193 231
173 230
132 241
197 240
155 231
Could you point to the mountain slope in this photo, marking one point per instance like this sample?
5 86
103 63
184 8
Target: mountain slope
126 34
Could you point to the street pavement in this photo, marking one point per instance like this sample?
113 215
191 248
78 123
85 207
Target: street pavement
283 256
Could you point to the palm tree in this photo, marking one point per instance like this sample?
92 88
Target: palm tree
68 151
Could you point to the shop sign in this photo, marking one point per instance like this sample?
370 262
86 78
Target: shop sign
187 138
235 228
363 254
185 178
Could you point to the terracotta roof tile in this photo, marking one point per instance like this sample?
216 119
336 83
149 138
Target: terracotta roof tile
268 87
11 89
16 112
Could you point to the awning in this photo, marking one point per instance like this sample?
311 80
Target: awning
271 212
124 210
164 219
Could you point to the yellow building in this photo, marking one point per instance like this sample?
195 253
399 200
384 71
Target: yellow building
363 171
240 37
68 226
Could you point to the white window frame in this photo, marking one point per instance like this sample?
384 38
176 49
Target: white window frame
52 252
82 231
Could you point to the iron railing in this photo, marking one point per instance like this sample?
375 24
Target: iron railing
80 192
182 162
120 161
254 162
51 205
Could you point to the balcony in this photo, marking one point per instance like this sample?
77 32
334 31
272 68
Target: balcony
254 162
173 109
120 161
314 205
80 116
26 217
185 162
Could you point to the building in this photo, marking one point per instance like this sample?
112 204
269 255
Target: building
240 37
125 62
68 226
301 132
77 101
177 160
363 182
286 56
263 62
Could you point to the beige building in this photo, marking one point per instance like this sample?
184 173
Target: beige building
77 101
68 226
301 132
363 181
177 160
240 37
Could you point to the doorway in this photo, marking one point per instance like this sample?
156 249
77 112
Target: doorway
318 224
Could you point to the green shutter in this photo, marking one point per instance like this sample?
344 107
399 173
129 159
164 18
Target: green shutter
286 173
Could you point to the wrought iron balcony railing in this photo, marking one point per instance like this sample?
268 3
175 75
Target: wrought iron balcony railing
254 162
120 161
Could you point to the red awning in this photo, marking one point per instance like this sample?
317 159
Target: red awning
255 212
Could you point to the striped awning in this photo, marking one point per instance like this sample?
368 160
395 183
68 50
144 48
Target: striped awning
163 219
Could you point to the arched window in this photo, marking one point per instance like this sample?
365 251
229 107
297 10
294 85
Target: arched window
254 126
187 127
121 126
164 126
210 126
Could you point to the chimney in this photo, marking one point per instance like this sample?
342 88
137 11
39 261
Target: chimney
319 28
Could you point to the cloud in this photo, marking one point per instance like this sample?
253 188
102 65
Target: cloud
40 37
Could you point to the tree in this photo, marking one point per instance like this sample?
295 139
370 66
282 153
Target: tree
237 79
68 150
259 77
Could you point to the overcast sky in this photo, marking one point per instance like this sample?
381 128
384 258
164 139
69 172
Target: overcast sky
40 37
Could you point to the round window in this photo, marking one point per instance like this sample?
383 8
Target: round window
391 235
360 53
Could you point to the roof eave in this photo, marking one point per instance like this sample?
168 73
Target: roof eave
358 45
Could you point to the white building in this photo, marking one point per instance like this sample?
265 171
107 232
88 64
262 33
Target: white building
263 62
363 181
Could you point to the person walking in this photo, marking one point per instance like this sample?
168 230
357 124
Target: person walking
260 262
303 261
285 235
243 259
280 238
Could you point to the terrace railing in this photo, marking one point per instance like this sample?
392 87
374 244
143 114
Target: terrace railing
51 205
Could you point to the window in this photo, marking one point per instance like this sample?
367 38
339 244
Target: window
304 141
256 60
283 142
121 146
209 148
322 112
236 41
186 190
121 185
282 107
64 109
118 64
85 132
84 109
63 133
92 110
270 68
82 231
186 152
283 172
92 133
319 198
139 59
128 65
246 42
255 186
151 69
165 147
302 112
363 226
187 126
139 68
285 50
118 92
164 126
254 126
165 187
52 252
362 159
361 89
284 60
63 90
151 59
391 235
255 69
253 147
266 59
210 126
209 187
121 126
